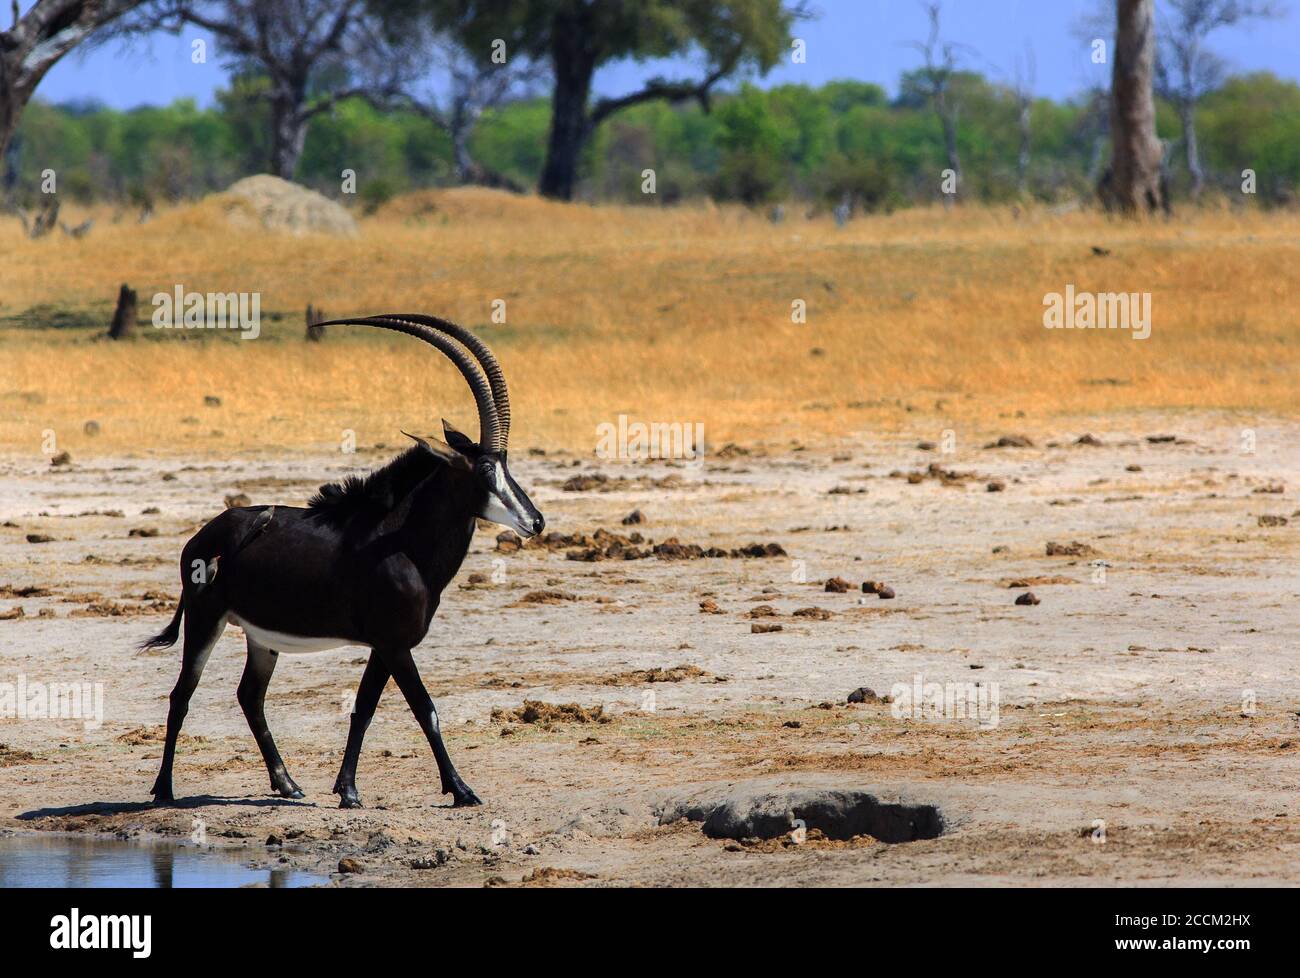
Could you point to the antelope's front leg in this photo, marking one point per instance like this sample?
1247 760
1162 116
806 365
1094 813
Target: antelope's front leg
417 698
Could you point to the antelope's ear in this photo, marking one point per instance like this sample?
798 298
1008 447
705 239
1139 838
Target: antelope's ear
441 450
461 442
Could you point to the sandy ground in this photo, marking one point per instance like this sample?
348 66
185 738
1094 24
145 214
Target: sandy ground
1156 692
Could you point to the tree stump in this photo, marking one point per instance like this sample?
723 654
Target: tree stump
315 333
124 316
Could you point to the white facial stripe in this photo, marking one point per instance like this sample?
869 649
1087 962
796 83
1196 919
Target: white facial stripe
505 490
503 505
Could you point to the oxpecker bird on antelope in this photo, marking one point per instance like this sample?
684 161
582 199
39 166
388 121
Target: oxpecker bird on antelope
364 563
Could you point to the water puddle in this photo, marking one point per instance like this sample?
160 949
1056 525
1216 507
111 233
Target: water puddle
78 861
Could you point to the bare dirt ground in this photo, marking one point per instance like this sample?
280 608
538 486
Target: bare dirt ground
1155 688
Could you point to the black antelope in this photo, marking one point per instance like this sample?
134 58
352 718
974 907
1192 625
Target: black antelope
364 563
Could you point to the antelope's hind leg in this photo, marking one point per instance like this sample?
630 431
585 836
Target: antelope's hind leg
202 630
373 681
252 699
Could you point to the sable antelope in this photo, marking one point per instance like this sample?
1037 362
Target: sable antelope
365 563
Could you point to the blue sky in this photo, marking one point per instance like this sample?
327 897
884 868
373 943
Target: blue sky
860 39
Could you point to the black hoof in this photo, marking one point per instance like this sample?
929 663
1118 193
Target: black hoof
350 801
163 798
292 791
465 798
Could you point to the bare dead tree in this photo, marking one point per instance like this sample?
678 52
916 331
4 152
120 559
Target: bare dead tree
941 60
35 43
476 86
42 222
313 53
1024 92
1186 70
1133 183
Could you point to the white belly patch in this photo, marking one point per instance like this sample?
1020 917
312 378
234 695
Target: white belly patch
288 644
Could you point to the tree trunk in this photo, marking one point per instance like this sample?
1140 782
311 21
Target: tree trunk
10 109
574 65
14 93
288 131
1188 112
1134 184
463 119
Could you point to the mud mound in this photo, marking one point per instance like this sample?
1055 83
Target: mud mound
658 674
156 735
10 756
278 205
535 711
550 875
604 545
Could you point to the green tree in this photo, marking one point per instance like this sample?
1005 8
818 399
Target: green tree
577 37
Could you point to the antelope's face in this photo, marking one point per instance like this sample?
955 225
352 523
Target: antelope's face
505 502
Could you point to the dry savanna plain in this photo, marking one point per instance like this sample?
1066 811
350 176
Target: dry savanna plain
809 660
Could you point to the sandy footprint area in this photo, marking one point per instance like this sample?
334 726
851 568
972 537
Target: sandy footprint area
1139 724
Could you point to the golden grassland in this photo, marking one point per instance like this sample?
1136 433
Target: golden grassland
679 314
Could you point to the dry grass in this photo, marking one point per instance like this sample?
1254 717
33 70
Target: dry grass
666 315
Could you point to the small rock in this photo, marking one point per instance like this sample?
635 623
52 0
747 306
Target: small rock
211 400
757 629
633 518
1011 441
792 724
837 585
709 607
996 485
143 531
238 499
532 850
1027 598
1269 519
63 458
1088 440
91 428
1133 467
39 538
925 446
863 694
820 614
349 865
274 840
884 593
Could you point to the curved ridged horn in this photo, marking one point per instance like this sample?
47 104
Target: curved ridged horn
489 425
480 350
